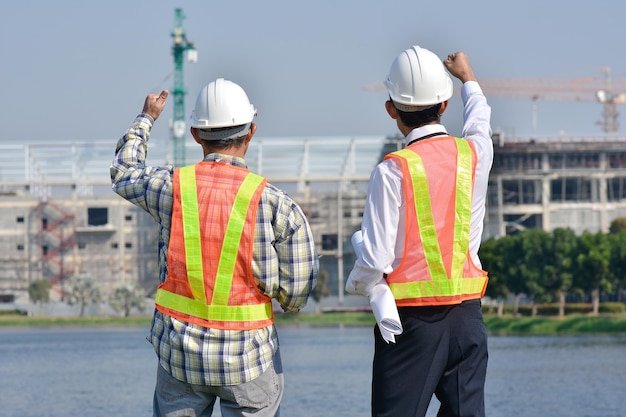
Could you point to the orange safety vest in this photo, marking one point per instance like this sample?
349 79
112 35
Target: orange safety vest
210 281
436 268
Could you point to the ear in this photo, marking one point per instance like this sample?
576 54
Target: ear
391 110
251 133
443 107
193 131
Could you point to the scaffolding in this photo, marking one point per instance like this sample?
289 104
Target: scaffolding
54 236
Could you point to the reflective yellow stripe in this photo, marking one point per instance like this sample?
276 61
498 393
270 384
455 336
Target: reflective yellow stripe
198 308
440 284
441 288
218 309
191 231
232 238
463 206
424 212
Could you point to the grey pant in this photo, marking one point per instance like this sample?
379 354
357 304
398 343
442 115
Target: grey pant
259 398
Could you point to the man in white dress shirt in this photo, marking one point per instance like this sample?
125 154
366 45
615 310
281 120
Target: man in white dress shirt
421 230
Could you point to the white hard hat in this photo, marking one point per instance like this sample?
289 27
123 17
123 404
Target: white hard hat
417 79
222 104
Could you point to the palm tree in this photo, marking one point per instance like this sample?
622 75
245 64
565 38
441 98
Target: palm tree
81 289
126 297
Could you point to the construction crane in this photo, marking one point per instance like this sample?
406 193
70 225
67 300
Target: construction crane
180 47
606 90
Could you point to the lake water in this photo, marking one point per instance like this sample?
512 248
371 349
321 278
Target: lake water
61 372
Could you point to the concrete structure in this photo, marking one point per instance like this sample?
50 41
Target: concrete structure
59 217
56 238
553 182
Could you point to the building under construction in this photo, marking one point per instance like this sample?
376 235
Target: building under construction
60 218
553 182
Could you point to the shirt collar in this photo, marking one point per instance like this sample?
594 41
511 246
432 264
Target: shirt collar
424 131
226 159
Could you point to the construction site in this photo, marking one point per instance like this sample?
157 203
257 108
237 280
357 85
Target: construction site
59 217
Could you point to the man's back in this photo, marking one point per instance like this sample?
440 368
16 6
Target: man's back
213 329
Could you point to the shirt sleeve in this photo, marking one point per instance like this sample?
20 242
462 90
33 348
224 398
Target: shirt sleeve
298 262
149 188
477 120
380 225
477 129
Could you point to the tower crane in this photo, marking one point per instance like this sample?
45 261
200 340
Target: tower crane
179 48
607 91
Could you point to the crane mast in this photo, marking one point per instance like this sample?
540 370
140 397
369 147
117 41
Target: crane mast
179 48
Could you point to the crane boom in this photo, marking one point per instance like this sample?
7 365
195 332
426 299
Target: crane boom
607 91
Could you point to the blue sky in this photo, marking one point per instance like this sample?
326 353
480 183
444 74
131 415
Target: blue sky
80 70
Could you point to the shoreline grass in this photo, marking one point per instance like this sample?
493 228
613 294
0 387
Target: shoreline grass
496 326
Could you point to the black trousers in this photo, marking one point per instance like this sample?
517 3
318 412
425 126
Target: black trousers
442 351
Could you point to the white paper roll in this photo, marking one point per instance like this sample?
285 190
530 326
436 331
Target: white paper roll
381 300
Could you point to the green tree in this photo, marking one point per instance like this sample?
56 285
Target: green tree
82 290
593 262
535 248
618 225
492 257
321 289
516 270
617 241
39 292
126 297
559 271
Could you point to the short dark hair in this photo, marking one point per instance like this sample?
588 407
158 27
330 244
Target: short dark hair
222 144
225 143
420 118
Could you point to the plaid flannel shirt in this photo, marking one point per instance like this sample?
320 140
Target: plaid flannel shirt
285 266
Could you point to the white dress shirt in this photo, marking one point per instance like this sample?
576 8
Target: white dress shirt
384 219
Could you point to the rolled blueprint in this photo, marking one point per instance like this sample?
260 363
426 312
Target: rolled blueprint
381 300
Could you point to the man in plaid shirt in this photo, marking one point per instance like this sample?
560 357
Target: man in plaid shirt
209 349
